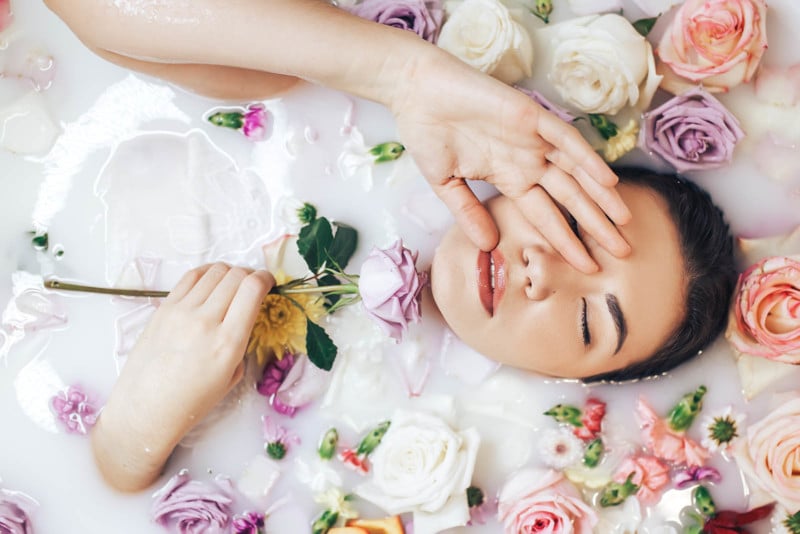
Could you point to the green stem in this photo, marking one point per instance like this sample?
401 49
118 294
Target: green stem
66 286
340 289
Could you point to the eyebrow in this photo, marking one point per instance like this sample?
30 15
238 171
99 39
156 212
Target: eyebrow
619 320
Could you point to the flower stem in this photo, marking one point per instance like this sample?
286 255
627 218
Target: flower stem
339 289
66 286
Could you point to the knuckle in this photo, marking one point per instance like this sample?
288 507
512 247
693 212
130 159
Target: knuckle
257 283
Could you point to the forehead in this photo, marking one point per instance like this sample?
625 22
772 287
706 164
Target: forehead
652 281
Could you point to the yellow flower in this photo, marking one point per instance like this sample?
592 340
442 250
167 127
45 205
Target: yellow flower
281 323
623 142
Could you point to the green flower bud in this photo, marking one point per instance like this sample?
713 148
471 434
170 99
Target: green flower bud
275 450
325 522
475 496
792 523
594 451
565 413
542 9
604 127
682 415
615 493
307 213
389 151
702 500
227 119
373 439
327 448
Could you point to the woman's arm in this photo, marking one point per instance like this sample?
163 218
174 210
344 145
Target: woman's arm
188 357
456 122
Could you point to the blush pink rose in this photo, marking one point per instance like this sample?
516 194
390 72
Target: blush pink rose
716 42
649 473
771 454
765 316
391 288
543 501
666 443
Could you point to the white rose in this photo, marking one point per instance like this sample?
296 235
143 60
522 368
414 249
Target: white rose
423 466
600 64
483 34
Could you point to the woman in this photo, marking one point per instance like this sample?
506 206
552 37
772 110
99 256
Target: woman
521 304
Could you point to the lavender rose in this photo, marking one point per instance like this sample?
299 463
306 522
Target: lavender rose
193 507
692 131
15 509
419 16
391 288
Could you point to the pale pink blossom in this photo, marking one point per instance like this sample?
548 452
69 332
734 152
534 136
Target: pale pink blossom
74 408
649 473
694 475
277 438
666 443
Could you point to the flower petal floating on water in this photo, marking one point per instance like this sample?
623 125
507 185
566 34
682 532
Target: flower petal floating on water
666 443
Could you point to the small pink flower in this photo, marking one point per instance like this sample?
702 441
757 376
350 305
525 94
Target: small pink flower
391 288
352 459
74 408
248 523
255 122
274 375
649 473
666 443
277 439
592 419
694 475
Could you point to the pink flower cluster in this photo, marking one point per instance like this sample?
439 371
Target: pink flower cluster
74 409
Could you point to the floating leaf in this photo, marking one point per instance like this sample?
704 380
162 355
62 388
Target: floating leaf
314 241
645 26
320 347
343 246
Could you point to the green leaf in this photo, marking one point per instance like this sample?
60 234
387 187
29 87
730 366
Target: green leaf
40 241
604 127
343 246
320 347
645 26
314 241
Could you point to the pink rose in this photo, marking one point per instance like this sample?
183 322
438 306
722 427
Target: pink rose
770 456
543 501
391 288
666 443
765 316
716 42
649 473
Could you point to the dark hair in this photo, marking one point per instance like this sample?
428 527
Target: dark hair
707 247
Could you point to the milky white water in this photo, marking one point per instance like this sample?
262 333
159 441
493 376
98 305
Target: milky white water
137 173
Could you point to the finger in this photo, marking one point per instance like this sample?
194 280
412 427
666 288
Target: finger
218 302
573 151
203 288
470 215
544 214
246 304
607 198
186 283
563 189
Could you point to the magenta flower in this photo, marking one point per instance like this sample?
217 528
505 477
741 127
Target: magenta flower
559 111
74 408
193 507
391 288
423 17
694 475
248 523
277 439
15 510
692 131
274 375
255 122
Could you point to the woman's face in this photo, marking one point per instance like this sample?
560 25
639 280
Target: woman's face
524 306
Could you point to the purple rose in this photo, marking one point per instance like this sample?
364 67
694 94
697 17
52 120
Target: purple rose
255 122
692 131
560 112
419 16
248 523
193 507
391 288
15 508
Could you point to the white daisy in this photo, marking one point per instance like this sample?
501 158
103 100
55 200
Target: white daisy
560 448
721 429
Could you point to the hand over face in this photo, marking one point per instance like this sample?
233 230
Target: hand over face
188 357
460 124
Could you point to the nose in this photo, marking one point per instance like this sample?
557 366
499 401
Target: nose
547 273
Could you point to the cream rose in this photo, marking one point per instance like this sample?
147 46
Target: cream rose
601 64
716 42
540 500
770 456
483 34
765 316
423 466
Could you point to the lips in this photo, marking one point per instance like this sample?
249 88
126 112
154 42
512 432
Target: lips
491 274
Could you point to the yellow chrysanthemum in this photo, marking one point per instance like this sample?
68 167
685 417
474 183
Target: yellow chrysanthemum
623 142
281 323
